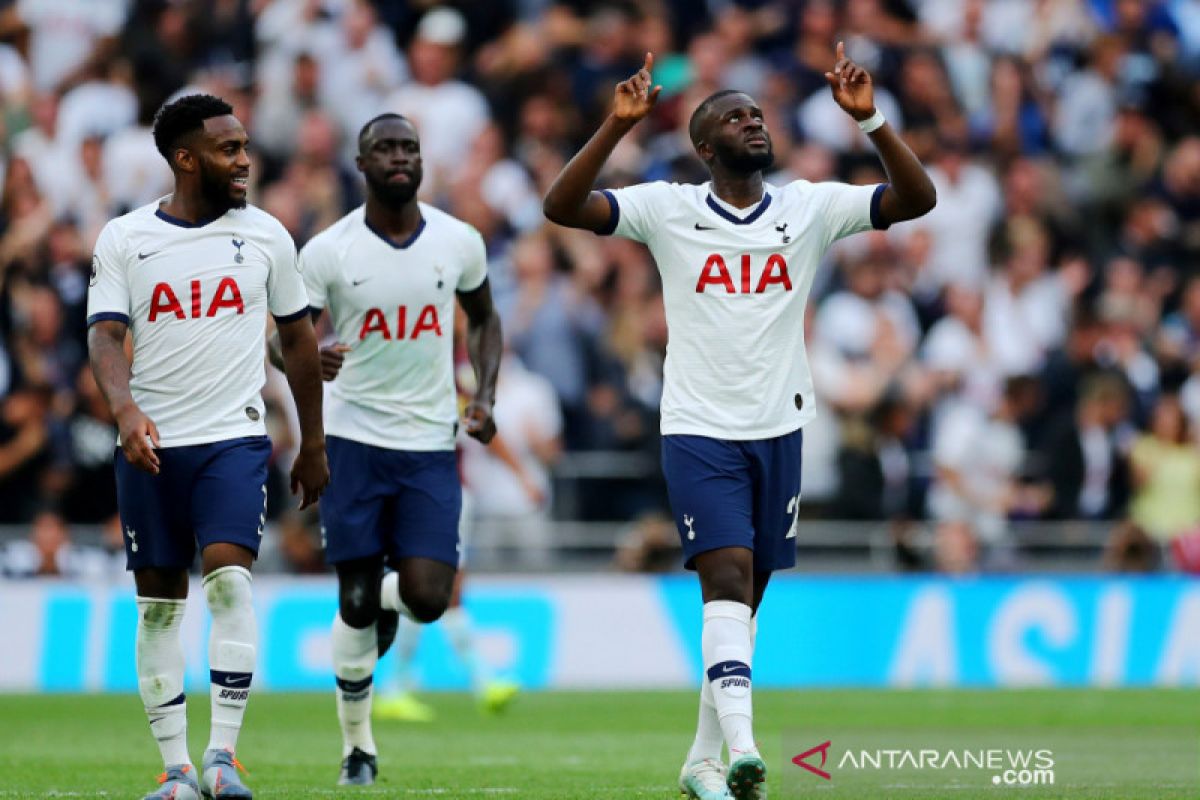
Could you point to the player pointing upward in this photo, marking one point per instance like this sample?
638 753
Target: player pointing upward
737 258
193 276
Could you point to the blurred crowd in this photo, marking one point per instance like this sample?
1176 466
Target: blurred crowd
1029 350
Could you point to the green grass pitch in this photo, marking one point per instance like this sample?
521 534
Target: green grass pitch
577 746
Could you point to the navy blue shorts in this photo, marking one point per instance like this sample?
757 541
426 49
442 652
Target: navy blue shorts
203 494
735 494
398 503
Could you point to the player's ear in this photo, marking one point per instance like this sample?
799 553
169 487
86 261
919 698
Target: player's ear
183 160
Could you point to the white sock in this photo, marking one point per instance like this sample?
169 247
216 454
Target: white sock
232 650
709 737
355 652
160 667
457 625
389 596
726 645
408 636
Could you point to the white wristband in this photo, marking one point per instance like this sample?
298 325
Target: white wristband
872 123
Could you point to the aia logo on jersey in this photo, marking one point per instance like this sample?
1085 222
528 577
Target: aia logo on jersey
716 274
426 322
165 302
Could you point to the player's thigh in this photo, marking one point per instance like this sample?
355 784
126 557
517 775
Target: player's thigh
154 513
229 495
353 504
711 493
776 500
428 508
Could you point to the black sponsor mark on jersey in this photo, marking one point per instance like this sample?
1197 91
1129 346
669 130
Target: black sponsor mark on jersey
252 413
143 256
700 227
782 229
799 401
95 274
357 281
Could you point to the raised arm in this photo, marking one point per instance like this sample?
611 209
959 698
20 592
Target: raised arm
484 345
111 367
571 201
298 348
910 193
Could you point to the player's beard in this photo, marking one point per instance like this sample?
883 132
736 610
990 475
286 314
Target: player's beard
216 190
744 161
394 195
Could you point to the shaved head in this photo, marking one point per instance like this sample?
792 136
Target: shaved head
696 124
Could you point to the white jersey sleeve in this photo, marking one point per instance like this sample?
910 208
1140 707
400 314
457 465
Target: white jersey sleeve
315 263
637 211
474 256
286 298
849 209
108 288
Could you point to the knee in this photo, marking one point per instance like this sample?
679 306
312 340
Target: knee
358 601
227 590
728 580
426 603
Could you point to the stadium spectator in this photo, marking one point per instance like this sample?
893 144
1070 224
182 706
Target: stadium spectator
979 458
1165 466
514 503
448 112
1085 458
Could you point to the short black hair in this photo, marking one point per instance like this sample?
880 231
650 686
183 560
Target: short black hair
701 110
183 116
362 132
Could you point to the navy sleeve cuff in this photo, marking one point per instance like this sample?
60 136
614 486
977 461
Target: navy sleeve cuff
877 220
286 318
107 316
478 286
315 313
614 214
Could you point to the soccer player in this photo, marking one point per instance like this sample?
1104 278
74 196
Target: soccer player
389 272
192 277
737 258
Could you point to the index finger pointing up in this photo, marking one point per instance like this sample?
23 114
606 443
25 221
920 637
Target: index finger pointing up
841 51
649 65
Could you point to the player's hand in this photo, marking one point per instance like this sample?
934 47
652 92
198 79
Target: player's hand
310 473
331 360
479 422
851 86
634 98
139 438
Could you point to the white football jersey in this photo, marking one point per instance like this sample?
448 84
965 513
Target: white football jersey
735 283
196 298
393 304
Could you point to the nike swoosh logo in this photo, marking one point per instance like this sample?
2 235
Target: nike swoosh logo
143 256
244 680
358 281
728 668
700 227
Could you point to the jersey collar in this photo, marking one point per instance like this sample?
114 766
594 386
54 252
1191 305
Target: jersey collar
397 245
726 211
183 223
